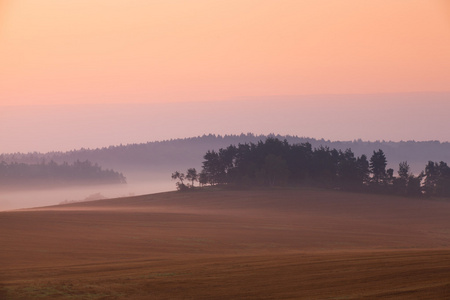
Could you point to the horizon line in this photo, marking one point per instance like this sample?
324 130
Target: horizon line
356 140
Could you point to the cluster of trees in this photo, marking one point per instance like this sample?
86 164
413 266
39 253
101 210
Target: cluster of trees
191 175
276 163
51 173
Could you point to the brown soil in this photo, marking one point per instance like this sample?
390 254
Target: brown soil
270 244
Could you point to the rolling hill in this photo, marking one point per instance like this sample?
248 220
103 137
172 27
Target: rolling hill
229 244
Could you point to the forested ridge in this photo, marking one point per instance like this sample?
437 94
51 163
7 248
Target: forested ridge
52 174
164 156
279 163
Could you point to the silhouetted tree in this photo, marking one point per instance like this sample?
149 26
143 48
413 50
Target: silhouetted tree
203 178
403 170
325 165
414 186
363 170
378 164
431 178
444 181
192 175
437 179
179 176
389 179
214 168
348 169
401 183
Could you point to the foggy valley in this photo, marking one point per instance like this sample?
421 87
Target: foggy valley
147 167
224 149
28 198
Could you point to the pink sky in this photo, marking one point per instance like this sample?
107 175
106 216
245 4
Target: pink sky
80 52
85 51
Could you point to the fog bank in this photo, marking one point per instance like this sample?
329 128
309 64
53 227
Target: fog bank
43 197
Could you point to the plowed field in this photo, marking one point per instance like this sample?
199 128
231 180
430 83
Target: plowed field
267 244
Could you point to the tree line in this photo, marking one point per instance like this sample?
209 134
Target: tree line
278 163
51 173
168 155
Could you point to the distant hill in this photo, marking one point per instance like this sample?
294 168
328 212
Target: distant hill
179 154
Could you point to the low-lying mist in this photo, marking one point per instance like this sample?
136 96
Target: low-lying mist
138 184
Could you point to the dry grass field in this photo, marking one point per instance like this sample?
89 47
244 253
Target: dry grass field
265 244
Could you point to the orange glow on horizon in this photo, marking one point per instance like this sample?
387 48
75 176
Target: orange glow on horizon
105 51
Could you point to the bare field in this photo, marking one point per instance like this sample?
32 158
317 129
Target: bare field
267 244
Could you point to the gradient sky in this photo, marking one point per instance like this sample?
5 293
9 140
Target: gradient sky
80 52
85 51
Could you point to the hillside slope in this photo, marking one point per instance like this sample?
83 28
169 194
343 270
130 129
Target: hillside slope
287 243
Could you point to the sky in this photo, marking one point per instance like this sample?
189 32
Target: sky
92 60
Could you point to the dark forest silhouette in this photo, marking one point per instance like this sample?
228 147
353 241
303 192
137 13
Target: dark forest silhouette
52 174
278 163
